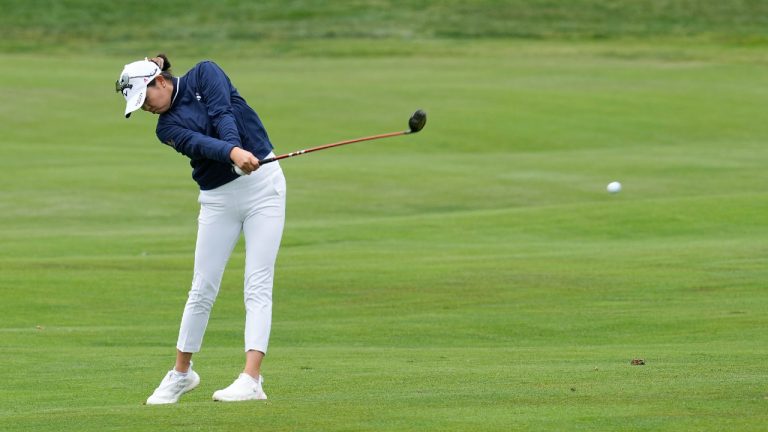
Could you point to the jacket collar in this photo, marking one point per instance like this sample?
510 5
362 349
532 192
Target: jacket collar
176 84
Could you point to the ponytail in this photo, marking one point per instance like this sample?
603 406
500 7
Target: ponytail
162 61
166 66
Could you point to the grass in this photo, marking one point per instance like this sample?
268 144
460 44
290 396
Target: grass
234 27
473 277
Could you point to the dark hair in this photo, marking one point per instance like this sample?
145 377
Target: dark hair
166 73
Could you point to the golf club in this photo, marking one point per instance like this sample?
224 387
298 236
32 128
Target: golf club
415 124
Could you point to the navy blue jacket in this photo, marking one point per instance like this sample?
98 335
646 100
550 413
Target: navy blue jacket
206 120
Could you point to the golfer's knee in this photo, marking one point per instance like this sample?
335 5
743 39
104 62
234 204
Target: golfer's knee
203 293
258 287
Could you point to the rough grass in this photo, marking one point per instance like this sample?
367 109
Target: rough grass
269 27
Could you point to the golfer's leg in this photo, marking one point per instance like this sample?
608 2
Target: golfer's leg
218 230
263 230
183 361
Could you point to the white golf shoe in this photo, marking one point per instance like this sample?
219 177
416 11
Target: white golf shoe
173 386
244 388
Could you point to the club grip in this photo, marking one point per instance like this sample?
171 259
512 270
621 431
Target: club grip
267 160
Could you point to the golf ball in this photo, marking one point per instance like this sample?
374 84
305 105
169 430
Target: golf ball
238 171
613 187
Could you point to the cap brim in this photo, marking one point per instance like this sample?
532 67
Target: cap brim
135 102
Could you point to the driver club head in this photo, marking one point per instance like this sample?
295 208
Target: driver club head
417 121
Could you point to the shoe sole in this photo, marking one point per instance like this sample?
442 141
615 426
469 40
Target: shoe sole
238 400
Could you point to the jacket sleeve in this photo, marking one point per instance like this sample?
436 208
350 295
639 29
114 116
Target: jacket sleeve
194 144
215 88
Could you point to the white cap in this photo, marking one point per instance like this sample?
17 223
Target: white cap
133 81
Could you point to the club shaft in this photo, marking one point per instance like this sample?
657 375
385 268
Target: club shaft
336 144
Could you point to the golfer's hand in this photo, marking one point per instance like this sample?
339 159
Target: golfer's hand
244 160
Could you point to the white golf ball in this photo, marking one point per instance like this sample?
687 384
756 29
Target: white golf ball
238 171
613 187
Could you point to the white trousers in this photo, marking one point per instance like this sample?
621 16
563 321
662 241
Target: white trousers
254 205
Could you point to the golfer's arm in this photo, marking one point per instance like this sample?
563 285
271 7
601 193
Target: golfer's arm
194 144
215 89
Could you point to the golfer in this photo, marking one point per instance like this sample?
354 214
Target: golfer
202 116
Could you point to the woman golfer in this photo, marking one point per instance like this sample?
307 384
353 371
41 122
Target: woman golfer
204 117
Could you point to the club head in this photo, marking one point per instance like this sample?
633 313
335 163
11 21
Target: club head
417 121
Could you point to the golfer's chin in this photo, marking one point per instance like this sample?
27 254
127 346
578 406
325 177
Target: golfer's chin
155 110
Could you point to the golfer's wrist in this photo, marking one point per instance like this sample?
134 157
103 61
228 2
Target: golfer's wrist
235 154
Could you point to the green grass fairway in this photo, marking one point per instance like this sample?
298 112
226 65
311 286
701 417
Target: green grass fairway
475 276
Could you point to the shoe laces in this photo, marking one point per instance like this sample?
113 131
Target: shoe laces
254 386
172 380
